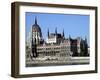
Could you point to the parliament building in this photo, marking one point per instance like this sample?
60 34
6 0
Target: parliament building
56 46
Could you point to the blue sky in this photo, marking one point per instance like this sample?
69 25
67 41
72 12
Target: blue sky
73 25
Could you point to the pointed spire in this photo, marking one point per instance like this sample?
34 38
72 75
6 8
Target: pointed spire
48 32
63 33
85 39
56 30
35 20
69 37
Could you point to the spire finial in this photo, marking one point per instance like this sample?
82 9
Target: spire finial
48 32
35 20
56 30
63 33
69 37
85 39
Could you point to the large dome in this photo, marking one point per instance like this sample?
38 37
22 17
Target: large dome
36 28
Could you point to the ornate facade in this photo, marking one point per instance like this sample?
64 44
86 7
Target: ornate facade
56 46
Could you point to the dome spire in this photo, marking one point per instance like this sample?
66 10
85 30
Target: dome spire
35 20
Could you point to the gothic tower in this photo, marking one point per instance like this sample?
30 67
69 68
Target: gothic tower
36 38
37 34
